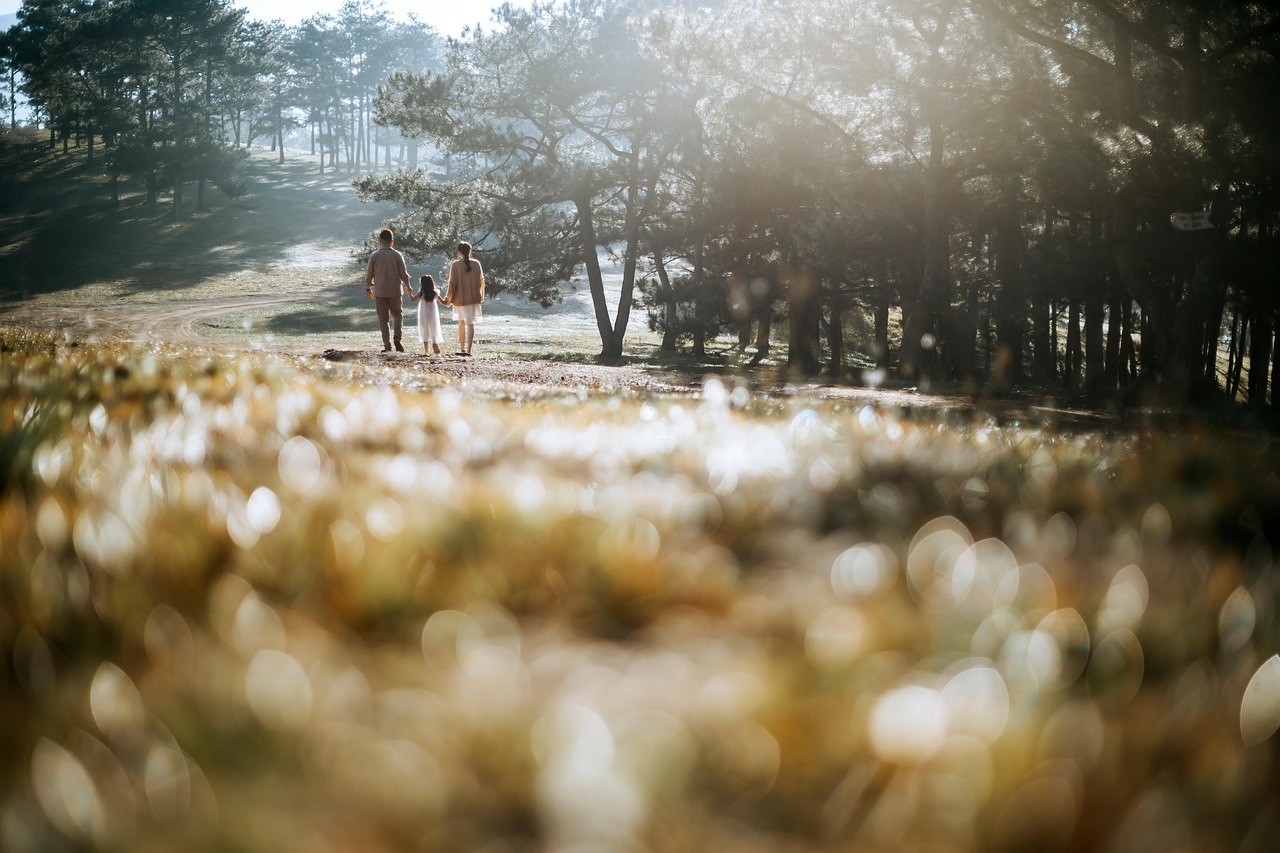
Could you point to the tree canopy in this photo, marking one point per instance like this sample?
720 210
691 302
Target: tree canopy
1003 177
173 87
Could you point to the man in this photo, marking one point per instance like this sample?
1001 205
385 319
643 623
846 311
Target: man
382 283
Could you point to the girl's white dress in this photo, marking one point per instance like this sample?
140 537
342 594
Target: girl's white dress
429 331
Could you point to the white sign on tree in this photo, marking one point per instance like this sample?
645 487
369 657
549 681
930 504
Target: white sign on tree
1192 221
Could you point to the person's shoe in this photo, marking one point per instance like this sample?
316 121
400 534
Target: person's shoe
386 349
399 348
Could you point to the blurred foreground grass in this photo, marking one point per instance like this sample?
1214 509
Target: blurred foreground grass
249 603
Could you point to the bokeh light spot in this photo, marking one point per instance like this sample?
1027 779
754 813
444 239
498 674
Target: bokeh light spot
1260 707
908 725
278 690
977 705
65 791
115 702
835 638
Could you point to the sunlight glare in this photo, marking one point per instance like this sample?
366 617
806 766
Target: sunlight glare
908 725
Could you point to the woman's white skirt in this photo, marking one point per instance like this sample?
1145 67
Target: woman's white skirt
470 313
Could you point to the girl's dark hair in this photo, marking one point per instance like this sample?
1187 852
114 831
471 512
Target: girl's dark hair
464 249
427 289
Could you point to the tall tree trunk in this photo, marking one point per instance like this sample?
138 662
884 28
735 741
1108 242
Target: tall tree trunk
611 333
208 117
1011 301
279 118
595 278
1128 354
1094 345
1259 360
835 337
1071 372
1095 311
1235 357
358 127
1044 354
1111 370
745 313
1275 376
920 328
670 311
630 260
764 328
179 142
883 298
802 321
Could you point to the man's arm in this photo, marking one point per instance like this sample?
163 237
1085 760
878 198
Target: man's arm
368 279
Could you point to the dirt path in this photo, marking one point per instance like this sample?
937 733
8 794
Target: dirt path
144 321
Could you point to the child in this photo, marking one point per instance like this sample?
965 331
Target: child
429 303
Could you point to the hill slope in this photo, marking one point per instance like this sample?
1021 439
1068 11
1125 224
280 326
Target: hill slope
273 269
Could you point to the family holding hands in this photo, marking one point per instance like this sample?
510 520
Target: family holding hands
386 275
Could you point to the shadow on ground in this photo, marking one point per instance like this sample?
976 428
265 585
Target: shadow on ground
59 229
336 313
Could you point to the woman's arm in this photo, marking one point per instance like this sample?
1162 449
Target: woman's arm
451 287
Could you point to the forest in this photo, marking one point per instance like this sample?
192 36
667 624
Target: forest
1073 195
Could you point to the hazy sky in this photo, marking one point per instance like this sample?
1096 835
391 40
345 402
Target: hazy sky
447 16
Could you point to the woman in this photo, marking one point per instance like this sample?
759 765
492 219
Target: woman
465 293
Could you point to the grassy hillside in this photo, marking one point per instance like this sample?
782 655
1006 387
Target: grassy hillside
71 259
62 231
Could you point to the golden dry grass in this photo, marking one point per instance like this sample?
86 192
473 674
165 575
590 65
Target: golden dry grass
256 602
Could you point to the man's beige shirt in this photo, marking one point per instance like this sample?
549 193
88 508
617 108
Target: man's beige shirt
387 272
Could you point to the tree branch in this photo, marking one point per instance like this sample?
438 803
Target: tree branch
1244 40
1036 37
1141 34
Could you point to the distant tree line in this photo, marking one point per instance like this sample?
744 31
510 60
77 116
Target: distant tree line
172 88
992 187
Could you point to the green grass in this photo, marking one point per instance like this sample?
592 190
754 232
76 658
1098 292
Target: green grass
253 602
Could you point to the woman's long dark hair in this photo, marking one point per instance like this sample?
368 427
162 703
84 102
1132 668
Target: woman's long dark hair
427 288
464 249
